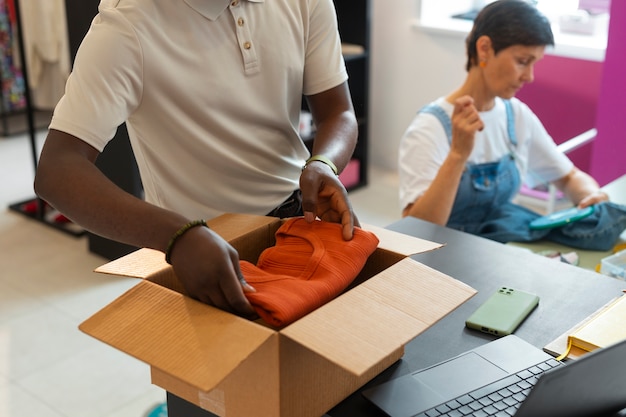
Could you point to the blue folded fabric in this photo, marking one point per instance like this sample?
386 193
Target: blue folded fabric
599 231
510 223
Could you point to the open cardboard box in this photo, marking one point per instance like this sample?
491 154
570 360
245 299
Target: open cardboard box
235 367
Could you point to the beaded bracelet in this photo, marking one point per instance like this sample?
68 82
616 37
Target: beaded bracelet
178 234
323 160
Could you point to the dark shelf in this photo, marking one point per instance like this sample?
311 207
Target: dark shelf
36 209
29 120
353 17
355 57
16 122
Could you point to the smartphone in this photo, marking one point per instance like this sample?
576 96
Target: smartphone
503 311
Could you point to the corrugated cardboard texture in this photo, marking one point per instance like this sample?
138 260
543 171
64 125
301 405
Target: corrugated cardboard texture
401 243
256 379
392 248
177 334
138 264
145 263
312 385
409 296
238 368
305 386
249 235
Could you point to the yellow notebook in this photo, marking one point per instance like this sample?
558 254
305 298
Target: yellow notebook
605 328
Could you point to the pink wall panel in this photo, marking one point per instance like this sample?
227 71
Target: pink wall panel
571 96
609 149
565 97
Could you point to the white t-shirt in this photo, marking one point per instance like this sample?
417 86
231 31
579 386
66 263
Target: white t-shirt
211 92
424 147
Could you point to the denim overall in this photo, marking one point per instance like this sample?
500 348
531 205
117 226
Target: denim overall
483 205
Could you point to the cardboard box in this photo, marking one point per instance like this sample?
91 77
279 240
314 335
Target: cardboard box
235 367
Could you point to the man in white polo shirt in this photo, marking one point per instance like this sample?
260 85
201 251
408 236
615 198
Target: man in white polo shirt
211 92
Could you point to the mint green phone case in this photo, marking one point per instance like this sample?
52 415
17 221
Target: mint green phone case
503 312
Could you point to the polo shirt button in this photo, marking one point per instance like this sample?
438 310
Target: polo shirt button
247 45
240 21
234 3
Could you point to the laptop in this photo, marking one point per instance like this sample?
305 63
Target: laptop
511 377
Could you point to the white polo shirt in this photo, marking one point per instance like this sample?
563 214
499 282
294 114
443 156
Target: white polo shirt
211 92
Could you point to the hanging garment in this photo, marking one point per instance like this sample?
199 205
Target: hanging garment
46 46
310 265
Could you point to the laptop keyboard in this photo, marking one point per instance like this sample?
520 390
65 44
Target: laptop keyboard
501 398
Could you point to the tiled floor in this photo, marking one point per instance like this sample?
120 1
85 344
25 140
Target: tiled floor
48 368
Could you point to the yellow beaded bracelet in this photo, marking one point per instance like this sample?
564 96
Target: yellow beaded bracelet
178 234
323 160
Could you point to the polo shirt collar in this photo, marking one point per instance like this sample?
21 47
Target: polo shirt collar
212 9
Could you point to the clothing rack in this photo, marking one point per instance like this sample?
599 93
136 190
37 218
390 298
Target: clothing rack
11 92
12 105
35 208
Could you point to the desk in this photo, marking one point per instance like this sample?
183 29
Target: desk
568 295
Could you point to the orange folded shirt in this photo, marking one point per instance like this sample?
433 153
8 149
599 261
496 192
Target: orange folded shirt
310 265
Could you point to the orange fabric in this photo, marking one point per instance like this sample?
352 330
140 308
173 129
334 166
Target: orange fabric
309 265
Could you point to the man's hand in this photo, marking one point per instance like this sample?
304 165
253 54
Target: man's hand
208 268
324 196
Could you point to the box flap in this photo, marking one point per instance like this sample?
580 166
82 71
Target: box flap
231 226
145 262
139 264
362 326
401 243
235 227
176 334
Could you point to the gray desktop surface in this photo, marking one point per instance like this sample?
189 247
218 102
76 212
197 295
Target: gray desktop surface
567 294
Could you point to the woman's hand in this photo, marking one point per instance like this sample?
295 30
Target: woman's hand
596 197
466 122
581 188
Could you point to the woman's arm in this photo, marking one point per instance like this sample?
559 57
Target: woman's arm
435 205
580 188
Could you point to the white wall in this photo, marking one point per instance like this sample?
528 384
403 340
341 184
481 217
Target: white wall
409 68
